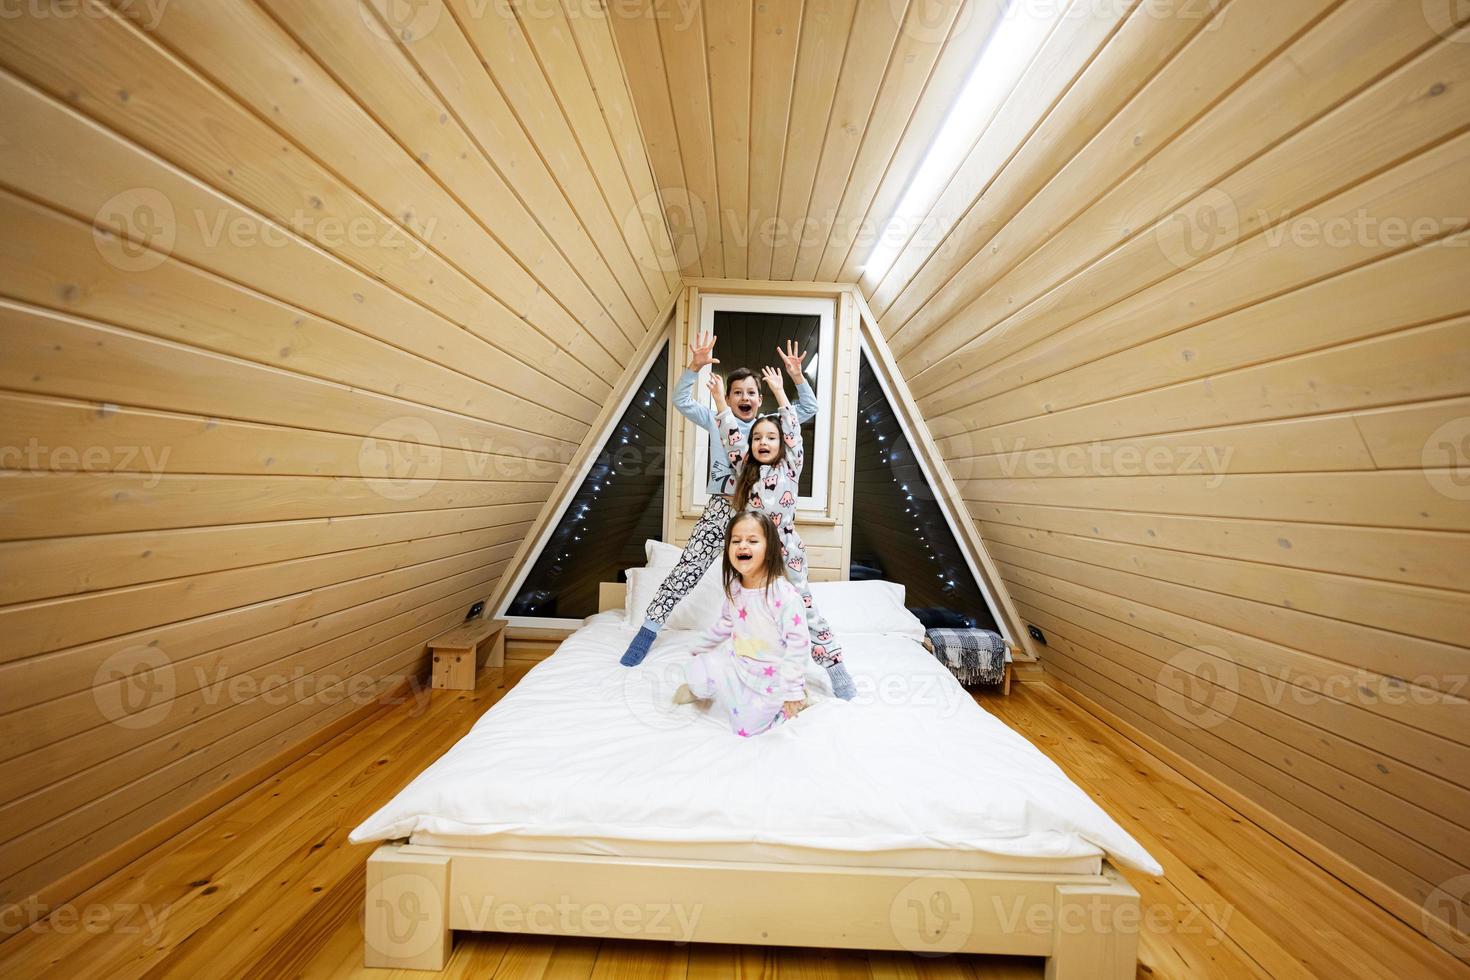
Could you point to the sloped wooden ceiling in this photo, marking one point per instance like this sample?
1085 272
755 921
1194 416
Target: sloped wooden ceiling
303 306
1196 346
783 132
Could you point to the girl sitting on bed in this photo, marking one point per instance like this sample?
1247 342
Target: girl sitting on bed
767 482
753 667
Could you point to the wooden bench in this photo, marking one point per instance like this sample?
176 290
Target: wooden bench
1011 652
456 654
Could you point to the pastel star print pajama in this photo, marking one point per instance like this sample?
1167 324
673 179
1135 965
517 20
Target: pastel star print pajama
756 657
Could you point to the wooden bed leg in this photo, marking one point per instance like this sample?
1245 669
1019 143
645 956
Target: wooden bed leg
1095 931
406 925
1006 690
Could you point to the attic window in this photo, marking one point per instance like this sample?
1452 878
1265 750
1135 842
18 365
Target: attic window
900 531
1013 43
749 329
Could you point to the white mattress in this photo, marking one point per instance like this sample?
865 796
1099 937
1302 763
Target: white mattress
587 756
917 858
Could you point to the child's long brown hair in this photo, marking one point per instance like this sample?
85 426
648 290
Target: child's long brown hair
750 469
774 566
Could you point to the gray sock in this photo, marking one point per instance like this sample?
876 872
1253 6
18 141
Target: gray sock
842 685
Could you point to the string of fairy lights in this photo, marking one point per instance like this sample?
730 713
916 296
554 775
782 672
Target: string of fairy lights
571 543
926 521
894 457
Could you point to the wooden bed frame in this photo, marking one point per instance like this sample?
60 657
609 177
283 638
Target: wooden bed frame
1086 926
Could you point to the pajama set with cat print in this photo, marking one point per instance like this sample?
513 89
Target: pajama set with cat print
775 494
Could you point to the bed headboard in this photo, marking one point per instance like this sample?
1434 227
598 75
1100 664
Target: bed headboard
611 595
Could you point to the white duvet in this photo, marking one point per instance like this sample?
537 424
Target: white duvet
585 748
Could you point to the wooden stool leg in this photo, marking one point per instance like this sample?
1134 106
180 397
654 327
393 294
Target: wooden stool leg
454 670
495 659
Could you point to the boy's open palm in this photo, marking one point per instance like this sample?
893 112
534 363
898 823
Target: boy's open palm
792 357
702 351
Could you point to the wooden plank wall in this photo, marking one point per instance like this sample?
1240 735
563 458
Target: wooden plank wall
301 314
1199 360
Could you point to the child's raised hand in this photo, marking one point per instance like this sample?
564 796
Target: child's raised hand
716 386
792 357
701 351
773 380
792 708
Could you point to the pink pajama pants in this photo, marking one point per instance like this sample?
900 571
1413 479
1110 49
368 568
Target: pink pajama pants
719 675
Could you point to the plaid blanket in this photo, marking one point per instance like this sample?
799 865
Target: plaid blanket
974 656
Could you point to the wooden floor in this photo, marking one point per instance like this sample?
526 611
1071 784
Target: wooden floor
269 887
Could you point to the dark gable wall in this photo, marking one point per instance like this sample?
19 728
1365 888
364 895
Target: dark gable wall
898 527
617 507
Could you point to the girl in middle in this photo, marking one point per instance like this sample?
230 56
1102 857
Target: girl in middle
767 482
753 666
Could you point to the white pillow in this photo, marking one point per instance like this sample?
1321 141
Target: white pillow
699 609
702 606
661 555
866 607
643 583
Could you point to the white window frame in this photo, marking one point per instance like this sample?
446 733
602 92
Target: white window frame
818 458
